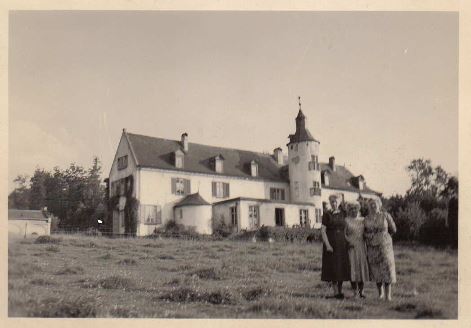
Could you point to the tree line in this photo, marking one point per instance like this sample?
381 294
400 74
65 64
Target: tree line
75 195
428 212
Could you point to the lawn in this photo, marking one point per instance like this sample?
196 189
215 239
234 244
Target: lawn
100 277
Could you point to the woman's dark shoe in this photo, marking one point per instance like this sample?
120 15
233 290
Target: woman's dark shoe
362 296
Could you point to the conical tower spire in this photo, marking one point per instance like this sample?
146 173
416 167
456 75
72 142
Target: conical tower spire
301 134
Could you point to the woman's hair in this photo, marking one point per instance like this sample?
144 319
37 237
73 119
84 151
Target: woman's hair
353 205
377 201
331 197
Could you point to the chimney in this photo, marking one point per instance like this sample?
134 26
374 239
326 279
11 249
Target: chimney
278 154
332 163
185 142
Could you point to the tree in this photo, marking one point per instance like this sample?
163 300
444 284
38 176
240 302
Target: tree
19 198
74 195
38 192
427 184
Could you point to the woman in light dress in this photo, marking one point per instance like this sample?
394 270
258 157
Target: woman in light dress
354 230
379 226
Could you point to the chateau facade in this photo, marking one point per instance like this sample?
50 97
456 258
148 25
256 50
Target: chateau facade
160 180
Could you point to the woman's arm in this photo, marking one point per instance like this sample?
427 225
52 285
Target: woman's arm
347 236
391 225
325 239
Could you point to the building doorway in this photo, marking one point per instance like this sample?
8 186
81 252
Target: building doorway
279 217
254 217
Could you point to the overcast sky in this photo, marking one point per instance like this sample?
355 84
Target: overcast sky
378 89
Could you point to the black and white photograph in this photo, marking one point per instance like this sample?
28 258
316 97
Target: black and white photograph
233 164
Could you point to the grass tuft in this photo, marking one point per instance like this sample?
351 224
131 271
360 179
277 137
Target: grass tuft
166 257
106 256
52 248
207 274
255 293
47 240
54 307
42 282
122 312
428 312
188 295
116 282
127 261
71 270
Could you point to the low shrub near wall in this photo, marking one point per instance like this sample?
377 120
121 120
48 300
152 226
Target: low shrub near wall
298 234
280 234
172 229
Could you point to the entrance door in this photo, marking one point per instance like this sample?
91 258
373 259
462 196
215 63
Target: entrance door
254 217
279 216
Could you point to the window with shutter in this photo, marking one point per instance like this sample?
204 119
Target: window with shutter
220 189
187 188
214 187
180 186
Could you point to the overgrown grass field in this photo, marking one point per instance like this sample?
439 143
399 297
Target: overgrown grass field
76 276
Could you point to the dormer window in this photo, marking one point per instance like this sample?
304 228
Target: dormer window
325 178
179 156
361 182
219 163
254 168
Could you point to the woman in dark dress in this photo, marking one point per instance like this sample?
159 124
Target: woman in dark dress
335 265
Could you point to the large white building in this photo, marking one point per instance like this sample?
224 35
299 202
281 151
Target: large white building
196 184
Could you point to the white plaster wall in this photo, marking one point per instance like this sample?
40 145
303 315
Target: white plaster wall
299 158
198 217
267 212
155 188
17 228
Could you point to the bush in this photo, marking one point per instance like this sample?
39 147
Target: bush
172 229
434 231
408 222
295 234
263 233
220 228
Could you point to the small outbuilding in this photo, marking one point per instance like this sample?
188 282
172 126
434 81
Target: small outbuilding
194 211
28 223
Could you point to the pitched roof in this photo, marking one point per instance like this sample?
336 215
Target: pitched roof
14 214
192 200
343 179
157 153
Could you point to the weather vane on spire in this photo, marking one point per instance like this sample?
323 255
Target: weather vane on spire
299 101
